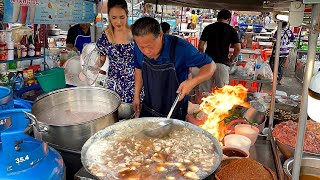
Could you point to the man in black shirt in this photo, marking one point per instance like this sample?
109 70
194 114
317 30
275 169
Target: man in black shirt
78 35
219 36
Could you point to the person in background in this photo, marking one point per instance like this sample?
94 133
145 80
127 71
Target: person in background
194 19
148 10
200 18
219 37
165 27
188 18
116 43
162 67
241 35
77 36
234 19
266 20
287 36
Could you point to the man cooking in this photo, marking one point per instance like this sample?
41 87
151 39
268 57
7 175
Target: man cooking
78 35
162 66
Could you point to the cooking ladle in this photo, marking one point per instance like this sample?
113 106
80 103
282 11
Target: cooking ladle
165 126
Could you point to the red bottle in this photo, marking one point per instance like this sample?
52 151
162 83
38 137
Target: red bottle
24 44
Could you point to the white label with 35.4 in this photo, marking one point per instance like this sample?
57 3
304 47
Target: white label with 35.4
22 159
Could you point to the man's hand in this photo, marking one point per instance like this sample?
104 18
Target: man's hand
136 104
185 88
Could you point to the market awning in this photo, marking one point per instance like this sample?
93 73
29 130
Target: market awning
243 5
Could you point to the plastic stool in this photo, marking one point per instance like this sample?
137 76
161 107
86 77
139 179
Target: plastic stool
255 45
244 83
193 41
233 83
254 86
267 54
262 53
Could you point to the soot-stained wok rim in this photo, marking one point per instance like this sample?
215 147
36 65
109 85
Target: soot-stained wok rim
41 97
112 129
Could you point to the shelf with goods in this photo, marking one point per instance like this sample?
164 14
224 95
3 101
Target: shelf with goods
27 50
23 59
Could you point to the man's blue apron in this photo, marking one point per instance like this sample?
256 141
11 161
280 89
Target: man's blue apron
160 85
81 40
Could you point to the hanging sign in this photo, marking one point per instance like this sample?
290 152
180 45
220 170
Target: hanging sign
49 11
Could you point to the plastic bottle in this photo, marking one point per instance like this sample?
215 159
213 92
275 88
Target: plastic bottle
24 45
259 62
240 57
63 57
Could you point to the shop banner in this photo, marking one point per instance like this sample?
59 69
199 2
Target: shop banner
49 11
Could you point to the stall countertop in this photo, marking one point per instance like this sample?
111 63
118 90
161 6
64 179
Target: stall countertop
61 36
262 37
265 43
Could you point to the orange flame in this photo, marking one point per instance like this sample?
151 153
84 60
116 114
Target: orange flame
218 106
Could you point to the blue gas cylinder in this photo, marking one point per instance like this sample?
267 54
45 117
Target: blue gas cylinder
6 98
23 157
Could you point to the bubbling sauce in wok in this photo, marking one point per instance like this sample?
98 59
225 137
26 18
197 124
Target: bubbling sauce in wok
184 154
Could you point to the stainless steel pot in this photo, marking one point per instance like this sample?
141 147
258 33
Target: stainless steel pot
68 117
309 165
136 125
125 111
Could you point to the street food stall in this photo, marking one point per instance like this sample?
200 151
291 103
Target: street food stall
230 133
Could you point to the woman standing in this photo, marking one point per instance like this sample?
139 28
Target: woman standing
116 43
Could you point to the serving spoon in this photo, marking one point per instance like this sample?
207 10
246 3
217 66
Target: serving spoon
165 126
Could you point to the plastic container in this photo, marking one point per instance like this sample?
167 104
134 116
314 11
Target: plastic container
243 26
6 98
237 140
21 104
257 28
233 151
63 57
248 131
52 79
